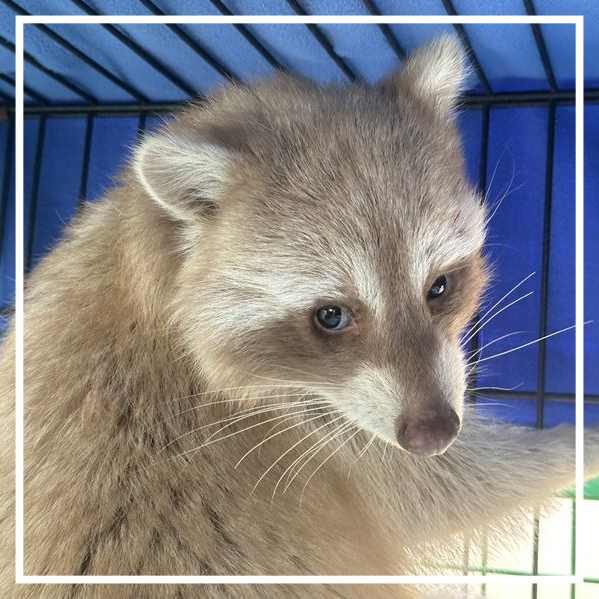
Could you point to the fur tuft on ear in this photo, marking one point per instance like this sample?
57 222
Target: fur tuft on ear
435 74
184 176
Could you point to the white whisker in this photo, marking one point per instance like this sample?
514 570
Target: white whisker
285 382
490 184
243 430
280 385
484 323
328 423
364 450
507 193
242 399
331 455
295 466
486 404
247 453
480 349
312 451
318 405
494 388
385 451
513 349
246 413
497 303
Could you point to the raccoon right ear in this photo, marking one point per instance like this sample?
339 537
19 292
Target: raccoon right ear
185 176
435 74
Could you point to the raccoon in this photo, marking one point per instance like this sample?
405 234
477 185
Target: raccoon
246 359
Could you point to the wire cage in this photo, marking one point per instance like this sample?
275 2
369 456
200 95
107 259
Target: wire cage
92 90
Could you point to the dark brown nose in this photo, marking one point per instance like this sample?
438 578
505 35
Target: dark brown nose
429 433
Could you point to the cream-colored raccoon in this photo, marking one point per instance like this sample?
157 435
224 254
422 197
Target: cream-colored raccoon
218 352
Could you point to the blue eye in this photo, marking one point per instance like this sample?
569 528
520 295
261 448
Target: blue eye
438 288
332 318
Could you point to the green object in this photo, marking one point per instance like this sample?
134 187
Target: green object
591 490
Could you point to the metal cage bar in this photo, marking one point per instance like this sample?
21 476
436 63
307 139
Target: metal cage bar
141 125
498 100
27 89
141 52
461 32
546 254
543 308
373 9
39 154
541 47
250 37
89 131
8 160
194 45
323 41
50 73
66 45
482 188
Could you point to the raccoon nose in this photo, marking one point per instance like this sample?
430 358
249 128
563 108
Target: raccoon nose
429 433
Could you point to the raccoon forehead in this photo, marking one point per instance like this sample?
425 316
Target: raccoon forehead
440 250
299 267
447 237
284 284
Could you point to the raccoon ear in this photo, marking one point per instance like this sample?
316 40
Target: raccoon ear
183 175
435 73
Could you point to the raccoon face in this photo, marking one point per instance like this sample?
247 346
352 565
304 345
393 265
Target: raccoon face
330 243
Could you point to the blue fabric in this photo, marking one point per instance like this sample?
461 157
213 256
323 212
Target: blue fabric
516 167
60 174
6 150
558 40
561 308
524 411
7 259
507 53
111 141
591 238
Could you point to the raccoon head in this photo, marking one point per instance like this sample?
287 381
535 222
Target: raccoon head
331 242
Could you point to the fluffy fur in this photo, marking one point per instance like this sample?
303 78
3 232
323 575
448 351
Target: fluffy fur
187 296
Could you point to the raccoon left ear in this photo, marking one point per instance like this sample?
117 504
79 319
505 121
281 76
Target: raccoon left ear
183 173
435 74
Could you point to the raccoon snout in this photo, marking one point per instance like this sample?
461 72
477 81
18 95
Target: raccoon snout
428 434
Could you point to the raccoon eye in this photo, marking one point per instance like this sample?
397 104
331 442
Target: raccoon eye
438 288
333 318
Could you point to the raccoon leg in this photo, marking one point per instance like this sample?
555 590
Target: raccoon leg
492 471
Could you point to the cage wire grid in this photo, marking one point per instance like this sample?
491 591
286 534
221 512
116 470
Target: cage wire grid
90 110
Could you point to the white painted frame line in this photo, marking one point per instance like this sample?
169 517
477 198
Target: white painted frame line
20 22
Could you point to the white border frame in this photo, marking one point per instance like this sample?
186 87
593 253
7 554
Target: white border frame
20 22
